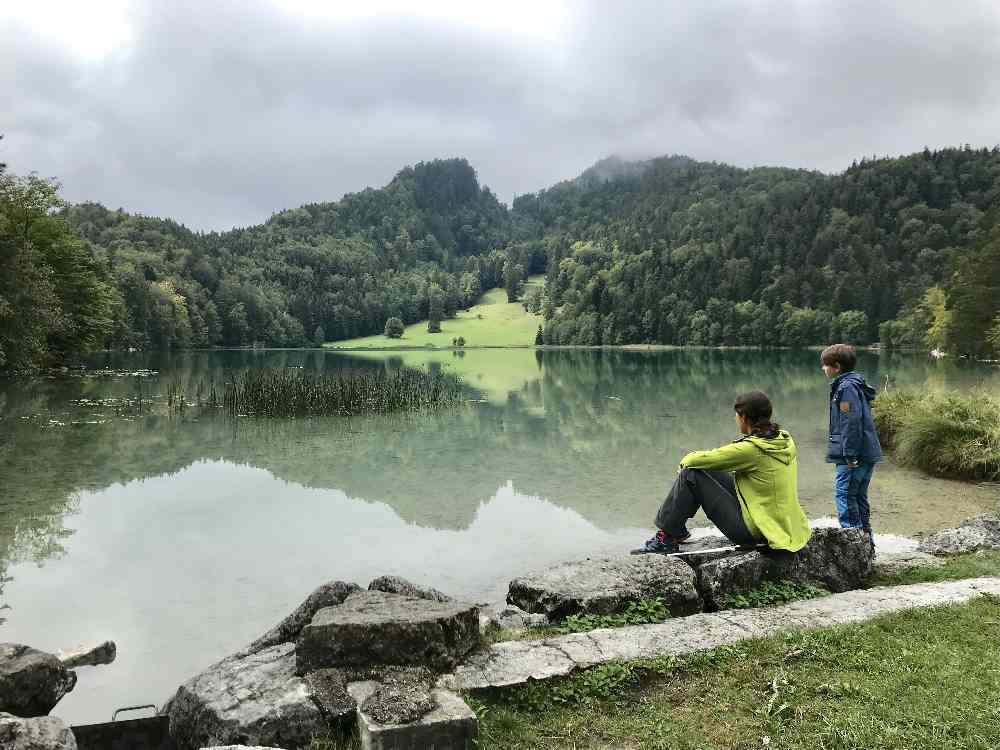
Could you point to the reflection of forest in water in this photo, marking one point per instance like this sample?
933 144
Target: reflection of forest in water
596 431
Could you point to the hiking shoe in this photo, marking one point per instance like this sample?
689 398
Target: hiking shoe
660 544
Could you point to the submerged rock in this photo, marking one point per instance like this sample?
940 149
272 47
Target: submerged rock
41 733
980 532
254 699
606 586
397 585
287 631
81 656
375 628
32 682
837 559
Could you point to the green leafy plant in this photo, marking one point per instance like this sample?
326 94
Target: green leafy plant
770 593
644 612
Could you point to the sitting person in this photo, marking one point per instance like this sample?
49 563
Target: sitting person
746 488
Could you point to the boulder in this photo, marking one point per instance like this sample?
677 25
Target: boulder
397 585
606 586
241 747
41 733
254 699
893 563
93 656
451 724
515 618
286 631
375 628
400 697
837 559
32 682
981 532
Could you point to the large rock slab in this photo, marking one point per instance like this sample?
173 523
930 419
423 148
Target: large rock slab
449 725
894 563
41 733
606 586
397 585
254 699
516 662
374 628
328 595
981 532
32 682
837 559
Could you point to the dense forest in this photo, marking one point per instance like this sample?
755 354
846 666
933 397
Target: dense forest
671 250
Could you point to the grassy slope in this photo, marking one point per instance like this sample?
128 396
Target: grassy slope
492 322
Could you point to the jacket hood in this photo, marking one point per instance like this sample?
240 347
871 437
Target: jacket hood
856 379
781 447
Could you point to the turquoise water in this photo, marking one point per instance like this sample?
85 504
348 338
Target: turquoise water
184 537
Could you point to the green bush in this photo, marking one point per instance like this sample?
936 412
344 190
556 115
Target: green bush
636 613
949 435
770 593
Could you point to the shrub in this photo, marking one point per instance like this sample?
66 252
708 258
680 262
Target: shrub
769 593
433 326
394 328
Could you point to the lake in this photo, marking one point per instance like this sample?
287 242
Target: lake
185 537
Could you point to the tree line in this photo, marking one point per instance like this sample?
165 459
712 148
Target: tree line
669 251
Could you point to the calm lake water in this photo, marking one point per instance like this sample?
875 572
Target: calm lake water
184 537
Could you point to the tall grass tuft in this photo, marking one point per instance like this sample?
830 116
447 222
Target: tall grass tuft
949 435
292 393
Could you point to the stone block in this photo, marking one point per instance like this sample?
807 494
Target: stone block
981 532
837 559
450 725
39 733
397 585
606 586
892 563
373 628
32 682
328 595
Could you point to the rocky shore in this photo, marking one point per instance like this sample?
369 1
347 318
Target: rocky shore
389 658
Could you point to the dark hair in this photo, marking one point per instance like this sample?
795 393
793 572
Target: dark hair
839 354
755 408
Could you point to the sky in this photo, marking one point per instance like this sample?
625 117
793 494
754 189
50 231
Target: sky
220 113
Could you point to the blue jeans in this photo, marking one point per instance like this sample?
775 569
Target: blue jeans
850 490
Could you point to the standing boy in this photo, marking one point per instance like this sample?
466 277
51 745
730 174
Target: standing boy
853 445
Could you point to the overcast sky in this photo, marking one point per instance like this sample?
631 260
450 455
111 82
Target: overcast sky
220 113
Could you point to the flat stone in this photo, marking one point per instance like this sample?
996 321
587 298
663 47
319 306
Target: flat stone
516 662
397 585
837 559
515 618
88 656
606 586
255 699
287 631
32 682
400 698
451 725
893 563
375 628
980 532
40 733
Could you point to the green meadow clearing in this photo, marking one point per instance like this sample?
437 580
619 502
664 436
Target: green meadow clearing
491 322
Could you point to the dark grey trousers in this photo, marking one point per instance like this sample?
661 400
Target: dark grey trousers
712 491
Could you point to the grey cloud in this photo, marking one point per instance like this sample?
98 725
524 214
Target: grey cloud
219 115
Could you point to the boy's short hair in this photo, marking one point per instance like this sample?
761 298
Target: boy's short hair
840 354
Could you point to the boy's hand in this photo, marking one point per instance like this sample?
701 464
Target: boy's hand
852 463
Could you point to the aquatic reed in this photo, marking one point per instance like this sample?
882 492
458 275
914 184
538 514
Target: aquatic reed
950 435
292 393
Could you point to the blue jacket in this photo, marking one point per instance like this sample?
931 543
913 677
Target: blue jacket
852 429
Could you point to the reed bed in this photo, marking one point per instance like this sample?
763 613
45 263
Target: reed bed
292 393
949 435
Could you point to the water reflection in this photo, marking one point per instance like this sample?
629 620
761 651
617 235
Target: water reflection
189 535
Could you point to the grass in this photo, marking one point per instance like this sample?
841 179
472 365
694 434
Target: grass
491 322
949 435
289 393
922 678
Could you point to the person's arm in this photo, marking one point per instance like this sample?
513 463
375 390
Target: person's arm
737 456
851 424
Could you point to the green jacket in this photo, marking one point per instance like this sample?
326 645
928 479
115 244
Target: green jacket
766 483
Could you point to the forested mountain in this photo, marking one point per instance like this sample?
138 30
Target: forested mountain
669 250
687 252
